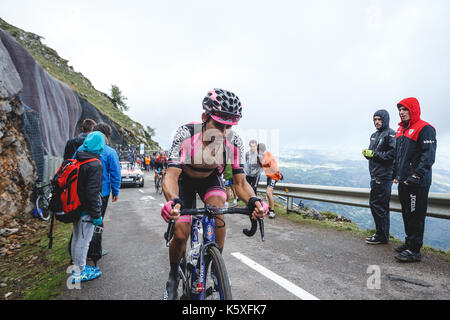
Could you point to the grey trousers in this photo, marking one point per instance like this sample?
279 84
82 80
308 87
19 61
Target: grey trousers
82 235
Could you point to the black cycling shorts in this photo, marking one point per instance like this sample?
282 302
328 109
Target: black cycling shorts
204 187
271 182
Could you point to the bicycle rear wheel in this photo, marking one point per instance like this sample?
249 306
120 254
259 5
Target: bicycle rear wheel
217 284
42 207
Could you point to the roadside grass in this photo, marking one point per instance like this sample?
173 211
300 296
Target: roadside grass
35 272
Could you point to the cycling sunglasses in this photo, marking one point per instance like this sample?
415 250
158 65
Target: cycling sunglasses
225 117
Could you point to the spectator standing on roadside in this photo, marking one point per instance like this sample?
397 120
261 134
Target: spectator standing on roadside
252 165
111 170
415 155
147 163
89 191
273 174
152 163
73 144
381 153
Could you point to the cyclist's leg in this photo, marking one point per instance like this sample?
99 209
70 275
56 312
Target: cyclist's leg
269 192
186 193
177 246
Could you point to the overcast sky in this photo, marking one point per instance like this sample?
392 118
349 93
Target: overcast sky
309 73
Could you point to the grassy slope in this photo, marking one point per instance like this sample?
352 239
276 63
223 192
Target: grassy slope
37 272
59 68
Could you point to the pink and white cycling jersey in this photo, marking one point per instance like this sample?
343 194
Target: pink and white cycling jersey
187 150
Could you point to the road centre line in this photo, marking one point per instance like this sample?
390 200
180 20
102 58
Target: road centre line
286 284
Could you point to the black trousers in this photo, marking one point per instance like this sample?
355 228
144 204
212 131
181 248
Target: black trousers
380 195
414 201
104 206
253 182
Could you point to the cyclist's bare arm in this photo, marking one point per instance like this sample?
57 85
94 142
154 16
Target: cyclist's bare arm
171 190
244 192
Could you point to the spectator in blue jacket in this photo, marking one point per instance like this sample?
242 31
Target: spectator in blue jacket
111 168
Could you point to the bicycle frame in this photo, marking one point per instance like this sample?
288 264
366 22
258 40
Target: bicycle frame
197 257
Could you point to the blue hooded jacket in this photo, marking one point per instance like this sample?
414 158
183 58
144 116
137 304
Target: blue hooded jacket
94 142
111 172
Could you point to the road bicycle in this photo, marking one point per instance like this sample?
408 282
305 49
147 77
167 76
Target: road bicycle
202 270
43 195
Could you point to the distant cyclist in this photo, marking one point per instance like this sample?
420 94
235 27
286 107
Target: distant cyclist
196 162
160 165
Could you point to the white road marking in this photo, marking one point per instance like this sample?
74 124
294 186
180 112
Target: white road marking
147 198
286 284
142 191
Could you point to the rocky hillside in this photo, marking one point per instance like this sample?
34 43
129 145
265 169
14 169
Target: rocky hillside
132 132
17 170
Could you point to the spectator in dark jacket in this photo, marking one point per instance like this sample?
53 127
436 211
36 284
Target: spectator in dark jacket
380 154
73 144
415 155
89 192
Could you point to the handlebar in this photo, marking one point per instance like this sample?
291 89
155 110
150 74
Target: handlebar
214 211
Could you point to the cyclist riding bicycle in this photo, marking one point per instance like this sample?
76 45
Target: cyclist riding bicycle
197 159
161 163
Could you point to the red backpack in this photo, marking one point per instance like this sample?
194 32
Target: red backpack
65 202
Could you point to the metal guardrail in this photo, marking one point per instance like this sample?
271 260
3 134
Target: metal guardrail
438 203
51 164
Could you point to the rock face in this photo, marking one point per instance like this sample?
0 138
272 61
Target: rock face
17 171
313 214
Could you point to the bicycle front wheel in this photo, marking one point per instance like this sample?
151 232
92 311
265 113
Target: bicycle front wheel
217 284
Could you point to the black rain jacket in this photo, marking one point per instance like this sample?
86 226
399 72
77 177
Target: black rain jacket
382 142
90 184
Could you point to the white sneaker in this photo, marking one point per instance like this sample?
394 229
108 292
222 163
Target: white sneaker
271 214
234 202
227 204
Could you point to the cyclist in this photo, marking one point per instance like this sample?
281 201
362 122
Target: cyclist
161 165
196 163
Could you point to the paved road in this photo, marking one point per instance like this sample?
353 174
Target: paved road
295 261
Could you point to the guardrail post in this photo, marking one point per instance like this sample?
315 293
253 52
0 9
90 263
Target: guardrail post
289 204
